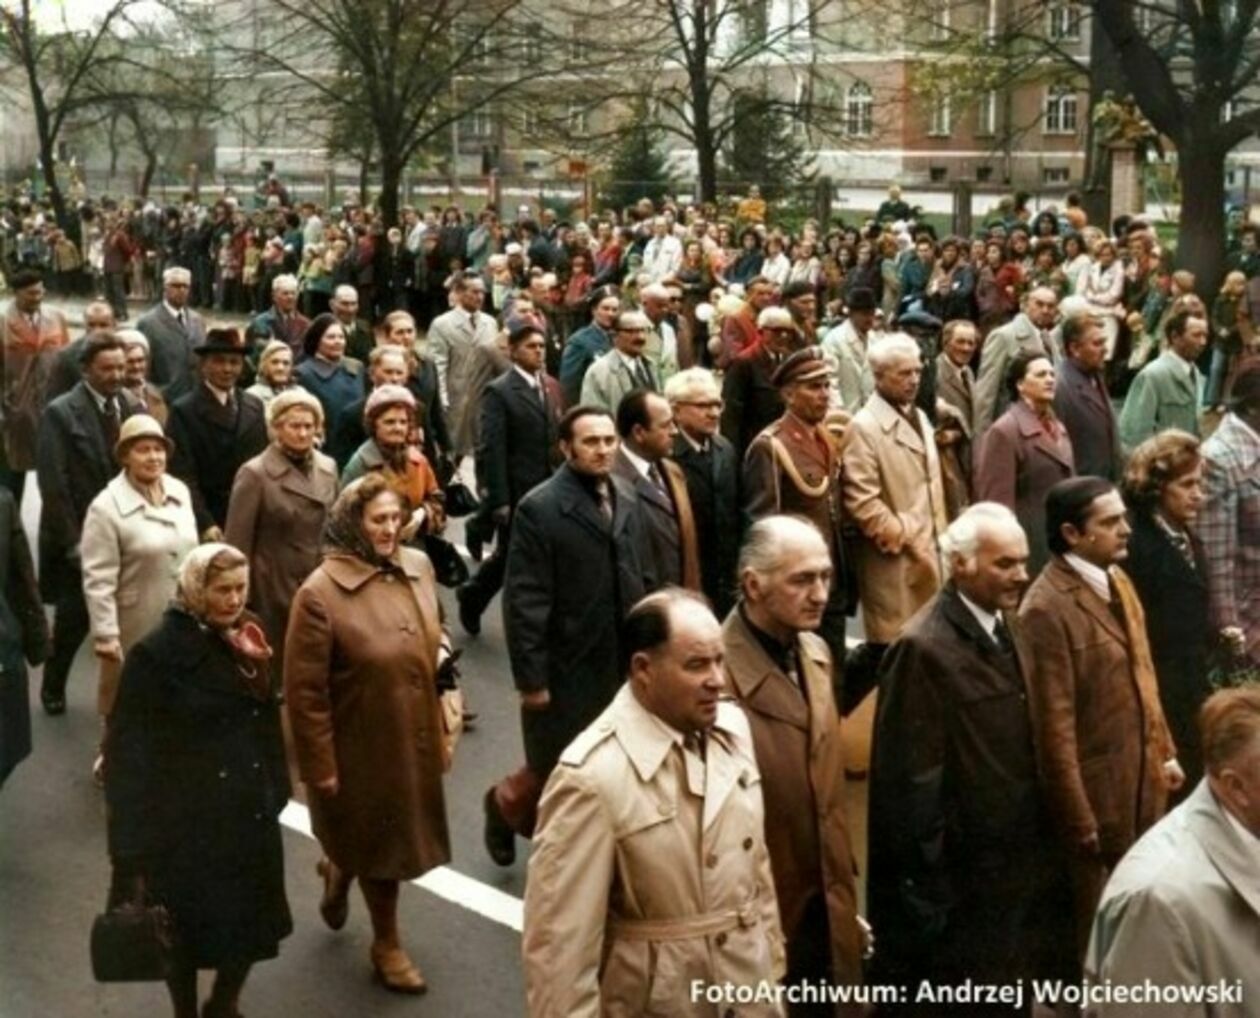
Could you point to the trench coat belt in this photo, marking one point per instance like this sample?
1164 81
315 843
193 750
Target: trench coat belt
687 927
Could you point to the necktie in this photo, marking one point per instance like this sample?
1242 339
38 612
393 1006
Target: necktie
1002 637
1045 342
654 476
643 374
605 500
111 422
183 324
1116 608
696 742
542 393
966 380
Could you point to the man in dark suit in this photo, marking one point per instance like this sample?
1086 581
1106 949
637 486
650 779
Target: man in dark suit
646 427
966 882
751 400
174 331
215 428
74 461
712 473
359 337
520 411
577 562
1081 401
67 369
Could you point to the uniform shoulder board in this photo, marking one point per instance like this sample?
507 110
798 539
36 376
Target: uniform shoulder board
579 749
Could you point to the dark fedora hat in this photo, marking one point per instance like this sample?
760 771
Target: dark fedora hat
226 340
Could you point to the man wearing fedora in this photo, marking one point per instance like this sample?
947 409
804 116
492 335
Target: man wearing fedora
74 462
845 350
216 428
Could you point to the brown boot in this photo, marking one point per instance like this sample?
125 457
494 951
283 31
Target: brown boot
334 906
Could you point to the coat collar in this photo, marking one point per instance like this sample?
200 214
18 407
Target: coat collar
577 502
1066 580
1030 429
893 423
647 740
279 469
351 573
1238 863
757 680
127 500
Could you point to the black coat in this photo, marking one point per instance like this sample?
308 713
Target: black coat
74 462
963 870
23 635
518 445
66 370
211 443
713 484
1090 419
195 783
751 401
1175 600
570 580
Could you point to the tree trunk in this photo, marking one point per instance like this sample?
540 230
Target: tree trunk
391 180
146 177
49 169
1201 229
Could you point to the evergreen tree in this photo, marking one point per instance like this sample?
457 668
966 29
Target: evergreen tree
763 149
638 169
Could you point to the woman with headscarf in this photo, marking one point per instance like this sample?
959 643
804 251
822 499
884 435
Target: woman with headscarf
326 372
196 782
393 450
135 534
275 371
363 655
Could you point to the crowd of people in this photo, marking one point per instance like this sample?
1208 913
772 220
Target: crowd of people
700 444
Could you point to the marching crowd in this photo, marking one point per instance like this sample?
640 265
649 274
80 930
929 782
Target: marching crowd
699 445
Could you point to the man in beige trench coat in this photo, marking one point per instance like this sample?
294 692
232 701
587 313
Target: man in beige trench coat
649 888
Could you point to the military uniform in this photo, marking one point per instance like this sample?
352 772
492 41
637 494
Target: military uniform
650 874
793 468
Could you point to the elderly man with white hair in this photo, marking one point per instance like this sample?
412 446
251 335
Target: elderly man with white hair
711 470
894 492
282 320
359 338
173 330
966 882
662 343
143 395
663 252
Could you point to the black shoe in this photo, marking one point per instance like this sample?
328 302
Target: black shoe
468 617
500 839
474 542
54 703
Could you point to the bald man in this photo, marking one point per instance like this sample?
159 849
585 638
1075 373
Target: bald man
1033 331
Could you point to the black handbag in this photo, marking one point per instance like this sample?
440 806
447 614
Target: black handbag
449 567
133 943
458 500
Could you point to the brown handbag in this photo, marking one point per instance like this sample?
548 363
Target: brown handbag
133 943
451 704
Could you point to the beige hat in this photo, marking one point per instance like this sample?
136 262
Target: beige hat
293 399
136 427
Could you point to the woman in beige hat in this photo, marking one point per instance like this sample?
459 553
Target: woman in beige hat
275 371
136 533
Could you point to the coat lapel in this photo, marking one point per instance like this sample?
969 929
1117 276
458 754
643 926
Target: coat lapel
758 681
1068 581
1031 429
1237 863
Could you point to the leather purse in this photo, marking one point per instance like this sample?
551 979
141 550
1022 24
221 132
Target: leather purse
451 704
133 943
459 500
449 567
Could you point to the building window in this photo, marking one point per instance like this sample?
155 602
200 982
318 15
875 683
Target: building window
939 126
477 123
800 24
1061 107
1063 22
984 174
754 21
577 44
577 118
531 123
859 111
986 114
937 174
1055 174
938 30
801 108
533 43
1143 18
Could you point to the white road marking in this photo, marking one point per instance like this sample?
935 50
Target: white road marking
448 884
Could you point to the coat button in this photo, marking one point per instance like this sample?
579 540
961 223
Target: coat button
223 773
748 843
711 860
720 940
743 779
663 808
258 767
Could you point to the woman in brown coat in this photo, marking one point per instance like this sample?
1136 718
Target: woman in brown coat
361 670
279 504
1025 453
